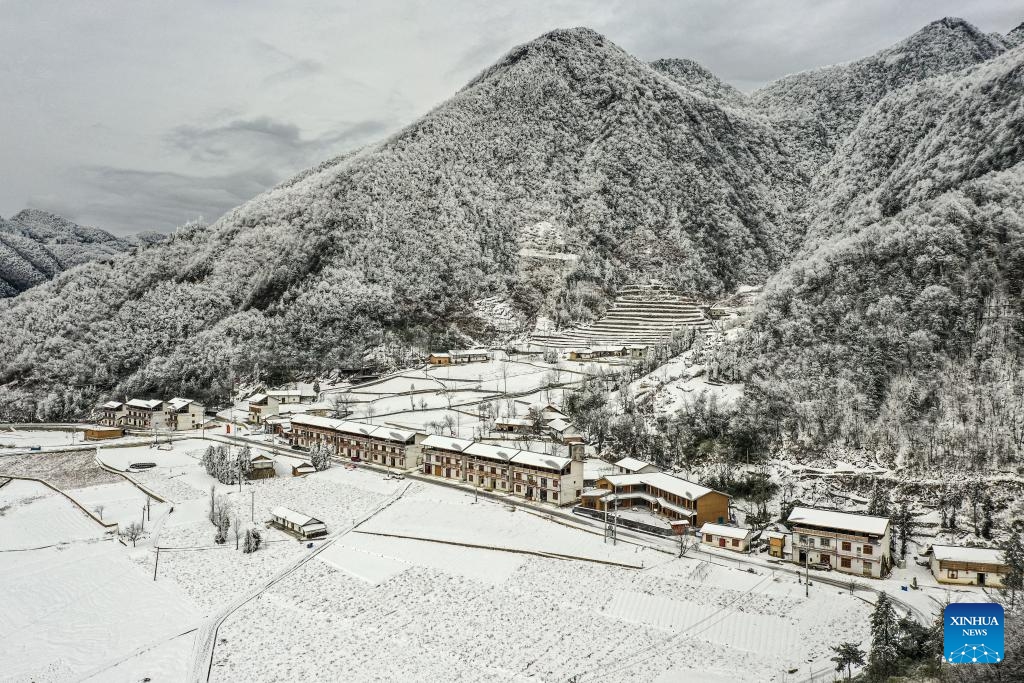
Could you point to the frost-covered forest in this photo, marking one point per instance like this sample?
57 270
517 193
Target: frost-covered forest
880 200
37 245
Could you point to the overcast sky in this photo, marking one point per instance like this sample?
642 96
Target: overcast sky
137 116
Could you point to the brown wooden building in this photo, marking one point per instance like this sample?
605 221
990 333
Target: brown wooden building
671 497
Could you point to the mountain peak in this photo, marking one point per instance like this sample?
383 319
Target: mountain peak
1016 36
948 40
696 77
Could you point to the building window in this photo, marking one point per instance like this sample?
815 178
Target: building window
803 539
826 542
707 538
844 562
952 573
846 545
735 542
868 550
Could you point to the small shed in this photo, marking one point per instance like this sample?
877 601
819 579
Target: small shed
262 467
302 468
439 359
297 523
103 433
725 536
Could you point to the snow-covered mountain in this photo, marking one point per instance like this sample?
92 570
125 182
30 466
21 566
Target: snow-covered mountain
900 324
35 246
819 108
641 170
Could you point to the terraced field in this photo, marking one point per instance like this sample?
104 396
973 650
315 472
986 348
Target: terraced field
641 314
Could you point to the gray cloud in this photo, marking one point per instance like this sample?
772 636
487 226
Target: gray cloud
124 126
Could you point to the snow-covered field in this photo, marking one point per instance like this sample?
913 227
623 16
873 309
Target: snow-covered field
419 399
436 586
382 608
69 608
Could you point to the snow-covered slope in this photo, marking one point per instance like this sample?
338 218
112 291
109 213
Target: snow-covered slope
641 174
37 245
821 107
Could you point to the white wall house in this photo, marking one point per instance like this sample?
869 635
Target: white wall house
968 566
725 536
847 542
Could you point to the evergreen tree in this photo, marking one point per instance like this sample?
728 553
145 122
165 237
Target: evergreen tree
1013 558
320 457
847 655
884 638
905 526
987 507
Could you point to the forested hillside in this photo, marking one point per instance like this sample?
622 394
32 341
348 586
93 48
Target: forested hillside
643 175
899 326
36 245
819 108
882 198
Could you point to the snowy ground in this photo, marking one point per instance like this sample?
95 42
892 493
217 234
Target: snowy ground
68 607
436 586
422 398
382 608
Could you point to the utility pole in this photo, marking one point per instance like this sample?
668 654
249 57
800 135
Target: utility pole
148 517
143 516
252 506
157 563
807 576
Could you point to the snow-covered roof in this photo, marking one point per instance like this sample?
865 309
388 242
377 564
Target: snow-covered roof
355 428
468 352
487 450
296 518
632 464
112 405
307 466
603 349
178 403
956 553
558 425
439 355
257 398
148 404
448 443
521 421
260 456
662 481
834 519
291 392
724 530
543 460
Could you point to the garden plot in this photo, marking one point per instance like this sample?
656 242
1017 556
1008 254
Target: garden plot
66 470
67 608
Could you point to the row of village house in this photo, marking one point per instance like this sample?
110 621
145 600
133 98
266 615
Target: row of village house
847 542
152 414
461 356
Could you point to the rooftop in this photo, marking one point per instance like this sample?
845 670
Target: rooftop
294 517
632 464
834 519
148 404
724 530
355 428
956 553
662 481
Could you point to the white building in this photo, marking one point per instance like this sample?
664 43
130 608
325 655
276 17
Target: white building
634 466
299 524
847 542
184 413
968 566
725 536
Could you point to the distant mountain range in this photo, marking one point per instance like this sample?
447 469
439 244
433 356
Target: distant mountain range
825 184
36 246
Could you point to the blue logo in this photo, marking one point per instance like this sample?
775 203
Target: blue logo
973 633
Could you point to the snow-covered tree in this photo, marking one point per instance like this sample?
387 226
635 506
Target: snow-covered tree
253 539
884 638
